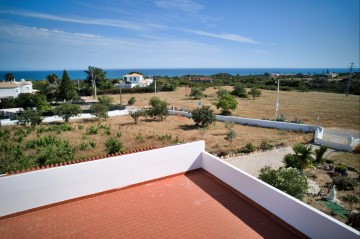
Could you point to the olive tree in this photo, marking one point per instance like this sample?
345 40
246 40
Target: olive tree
203 116
67 110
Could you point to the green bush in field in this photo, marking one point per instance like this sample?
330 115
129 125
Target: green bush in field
113 145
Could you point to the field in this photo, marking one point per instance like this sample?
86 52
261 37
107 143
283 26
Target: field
334 110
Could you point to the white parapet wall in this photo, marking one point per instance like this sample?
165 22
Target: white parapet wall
257 122
39 188
301 216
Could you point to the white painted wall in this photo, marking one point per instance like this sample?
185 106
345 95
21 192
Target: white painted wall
9 92
34 189
306 219
257 122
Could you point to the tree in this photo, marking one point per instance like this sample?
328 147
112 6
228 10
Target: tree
158 108
227 102
136 114
203 116
100 111
67 90
288 180
27 100
196 93
131 101
96 77
9 77
52 79
105 100
254 92
29 116
239 91
301 159
67 110
231 134
222 92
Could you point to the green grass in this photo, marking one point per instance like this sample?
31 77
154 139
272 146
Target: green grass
349 159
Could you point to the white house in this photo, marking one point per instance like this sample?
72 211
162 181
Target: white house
13 88
132 80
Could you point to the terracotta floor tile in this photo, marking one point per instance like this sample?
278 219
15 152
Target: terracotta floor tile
187 206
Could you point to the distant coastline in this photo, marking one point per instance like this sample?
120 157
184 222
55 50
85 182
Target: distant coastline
172 72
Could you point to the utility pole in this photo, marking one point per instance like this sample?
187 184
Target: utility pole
349 80
120 94
277 99
93 80
155 86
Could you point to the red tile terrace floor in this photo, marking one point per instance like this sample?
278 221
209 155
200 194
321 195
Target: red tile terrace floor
194 205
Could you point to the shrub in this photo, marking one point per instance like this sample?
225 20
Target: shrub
113 146
254 92
80 127
83 146
100 111
140 137
288 180
356 150
231 135
301 159
67 110
92 130
29 116
136 114
158 108
351 198
196 93
320 154
344 183
92 144
249 148
105 100
264 146
131 101
226 102
203 116
222 92
239 91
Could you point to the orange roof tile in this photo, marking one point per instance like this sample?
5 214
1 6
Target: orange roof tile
193 205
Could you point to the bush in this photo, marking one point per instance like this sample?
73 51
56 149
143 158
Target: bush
158 108
113 146
105 100
136 114
301 159
344 183
239 91
320 154
288 180
264 146
356 150
351 198
131 101
100 111
249 148
231 135
226 102
92 130
67 110
203 116
196 93
29 116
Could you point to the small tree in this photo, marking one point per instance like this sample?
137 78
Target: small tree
288 180
231 135
67 110
222 92
196 93
254 92
158 108
301 159
239 91
135 115
320 153
203 116
105 100
99 110
66 90
9 77
131 101
227 102
29 116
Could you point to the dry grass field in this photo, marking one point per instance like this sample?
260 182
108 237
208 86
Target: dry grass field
334 110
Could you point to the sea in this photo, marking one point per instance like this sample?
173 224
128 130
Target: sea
118 73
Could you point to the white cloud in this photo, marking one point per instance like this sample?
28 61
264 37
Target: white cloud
225 36
187 6
102 22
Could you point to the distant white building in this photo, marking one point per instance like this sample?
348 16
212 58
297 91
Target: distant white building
134 80
13 88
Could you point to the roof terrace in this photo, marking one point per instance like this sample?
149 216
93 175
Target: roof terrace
174 192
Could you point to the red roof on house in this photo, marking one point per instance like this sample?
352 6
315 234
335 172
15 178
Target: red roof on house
191 205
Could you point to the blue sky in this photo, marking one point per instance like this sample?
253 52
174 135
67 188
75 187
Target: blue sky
120 34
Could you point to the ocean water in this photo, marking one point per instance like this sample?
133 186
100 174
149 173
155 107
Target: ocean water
118 73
